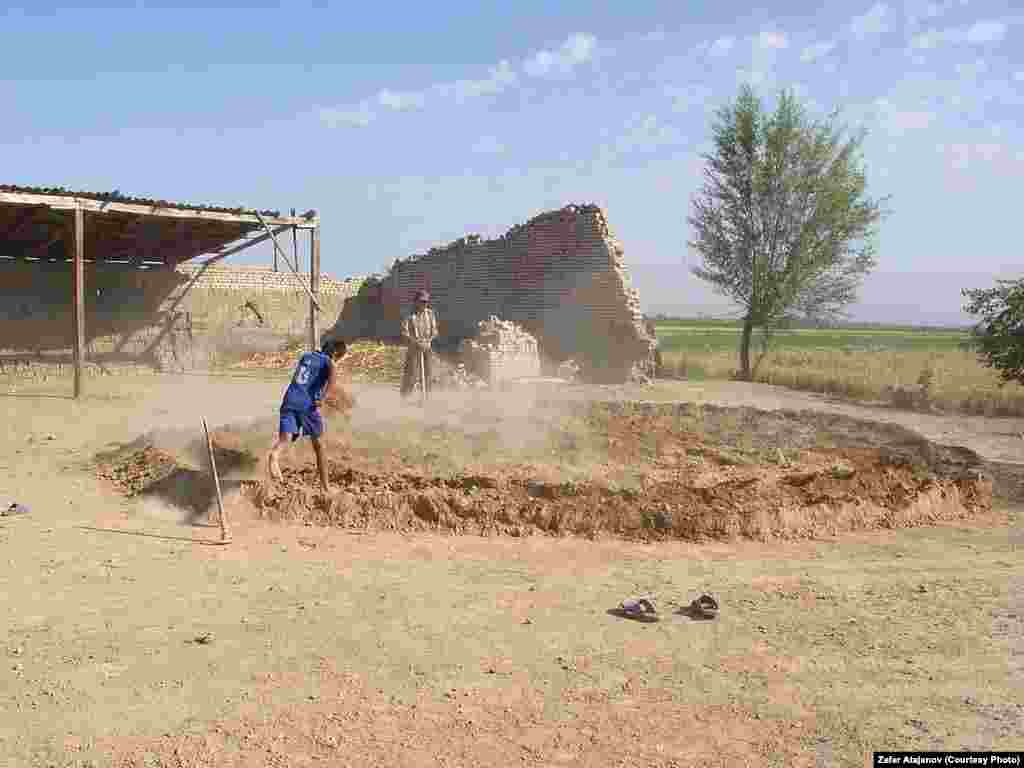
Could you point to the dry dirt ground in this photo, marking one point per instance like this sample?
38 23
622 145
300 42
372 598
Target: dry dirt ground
127 639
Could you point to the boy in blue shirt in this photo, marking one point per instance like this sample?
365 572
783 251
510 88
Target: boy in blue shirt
313 382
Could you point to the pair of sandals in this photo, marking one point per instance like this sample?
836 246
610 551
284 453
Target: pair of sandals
14 509
703 608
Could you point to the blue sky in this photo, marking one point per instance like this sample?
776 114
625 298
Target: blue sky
409 125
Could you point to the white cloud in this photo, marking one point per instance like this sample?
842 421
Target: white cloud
488 145
722 46
577 49
961 156
870 24
772 41
499 79
400 101
917 11
1019 77
933 38
764 51
816 51
986 32
359 117
977 34
657 35
901 123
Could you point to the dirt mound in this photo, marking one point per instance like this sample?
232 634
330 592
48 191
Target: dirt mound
178 475
635 470
137 471
834 493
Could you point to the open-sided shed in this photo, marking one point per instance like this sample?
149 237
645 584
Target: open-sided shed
66 230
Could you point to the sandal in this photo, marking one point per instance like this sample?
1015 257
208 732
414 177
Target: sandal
640 608
704 607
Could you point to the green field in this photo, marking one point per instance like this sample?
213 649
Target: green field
859 362
703 336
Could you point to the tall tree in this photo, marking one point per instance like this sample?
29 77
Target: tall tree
998 336
782 221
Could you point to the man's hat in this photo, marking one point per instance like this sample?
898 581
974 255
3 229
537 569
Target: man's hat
422 296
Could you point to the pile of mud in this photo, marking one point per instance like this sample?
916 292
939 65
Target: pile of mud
696 473
178 473
708 498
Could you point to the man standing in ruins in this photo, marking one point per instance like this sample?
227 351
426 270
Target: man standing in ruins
419 329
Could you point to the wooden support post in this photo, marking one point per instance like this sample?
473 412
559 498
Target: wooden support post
295 245
314 285
295 269
78 279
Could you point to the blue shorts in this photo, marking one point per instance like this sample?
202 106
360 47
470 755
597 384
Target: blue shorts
298 423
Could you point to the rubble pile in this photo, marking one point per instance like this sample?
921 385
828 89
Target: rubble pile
569 370
502 350
459 377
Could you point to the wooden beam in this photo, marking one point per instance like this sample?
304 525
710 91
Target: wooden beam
295 269
69 203
295 246
79 299
314 285
197 248
247 244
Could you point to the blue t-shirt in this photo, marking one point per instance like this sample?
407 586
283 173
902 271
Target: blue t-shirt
308 381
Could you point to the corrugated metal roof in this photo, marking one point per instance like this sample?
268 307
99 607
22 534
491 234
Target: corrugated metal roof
118 197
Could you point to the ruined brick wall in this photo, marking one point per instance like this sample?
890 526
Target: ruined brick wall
561 276
156 316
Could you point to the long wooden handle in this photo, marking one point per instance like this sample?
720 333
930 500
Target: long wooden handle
423 375
225 534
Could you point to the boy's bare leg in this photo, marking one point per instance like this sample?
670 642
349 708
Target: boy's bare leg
321 464
273 467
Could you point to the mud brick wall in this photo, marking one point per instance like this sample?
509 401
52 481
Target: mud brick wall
121 305
261 279
561 276
154 316
502 351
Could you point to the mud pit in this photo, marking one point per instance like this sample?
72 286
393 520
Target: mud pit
554 467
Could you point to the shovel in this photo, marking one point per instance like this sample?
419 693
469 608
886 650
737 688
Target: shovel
423 377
